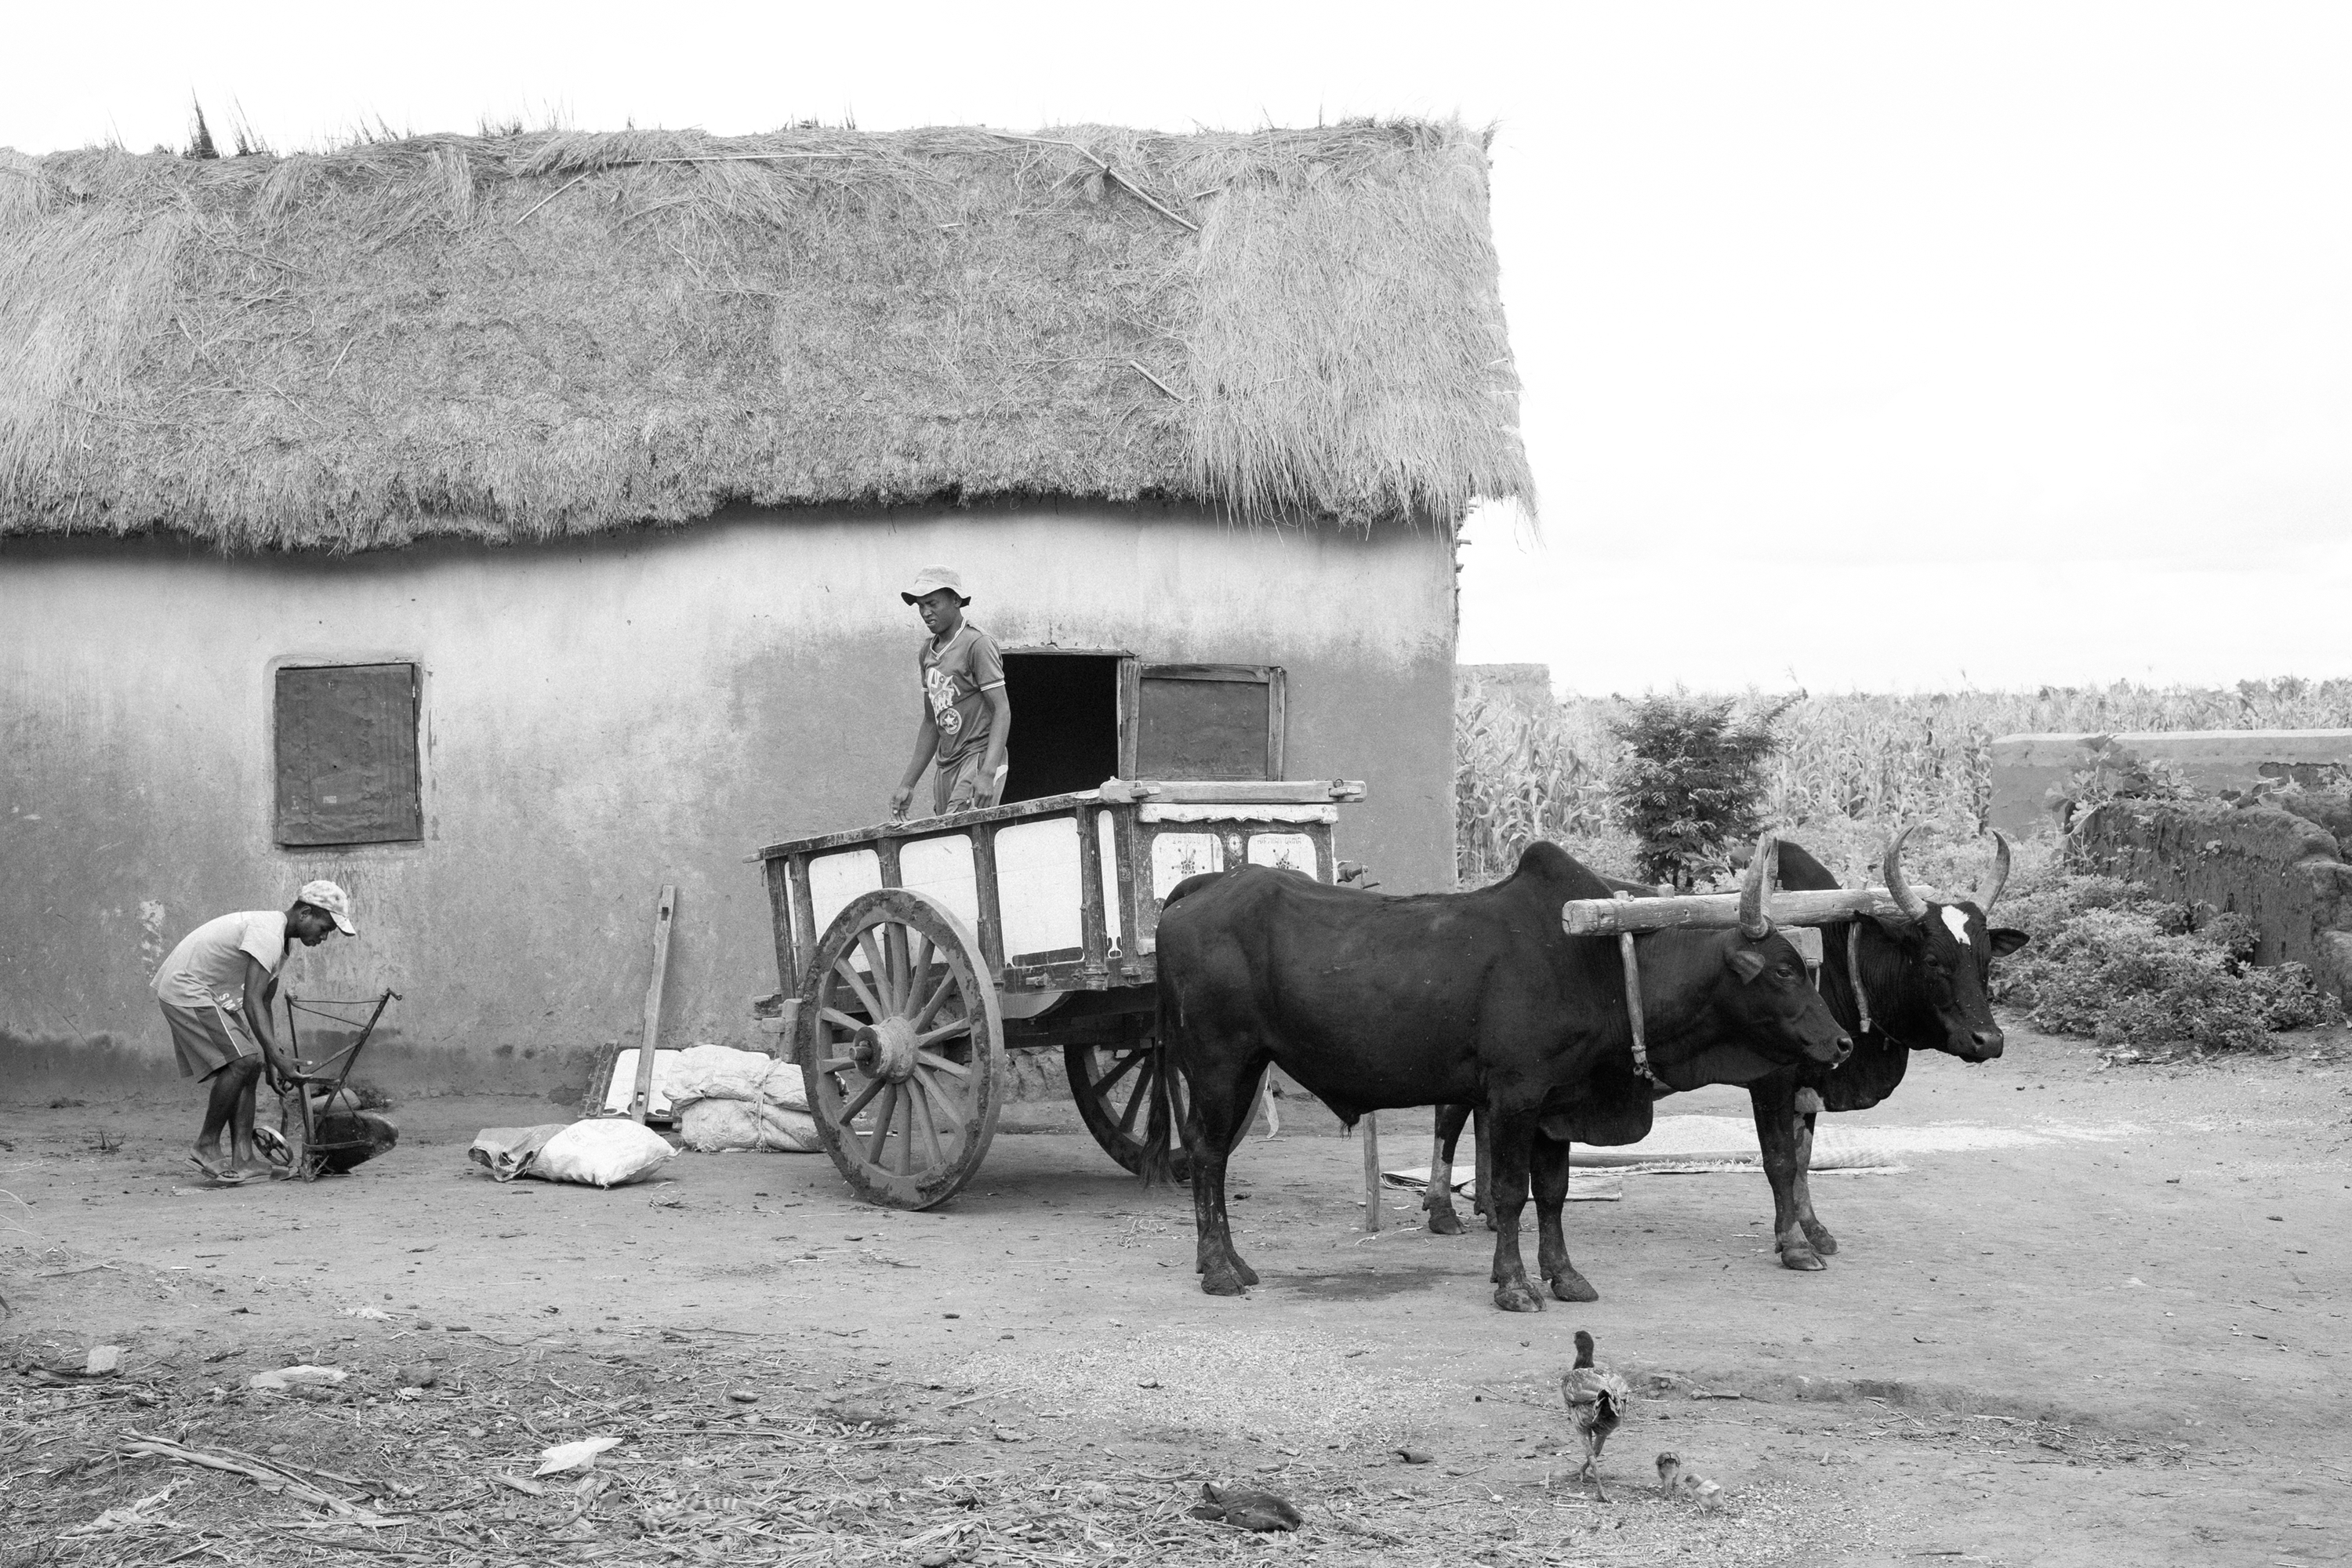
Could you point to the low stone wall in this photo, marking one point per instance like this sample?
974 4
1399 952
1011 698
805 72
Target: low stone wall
2025 768
2284 874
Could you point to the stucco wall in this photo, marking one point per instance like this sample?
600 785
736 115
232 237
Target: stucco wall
2283 873
599 719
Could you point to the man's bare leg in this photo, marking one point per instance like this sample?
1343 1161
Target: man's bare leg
222 1088
248 1073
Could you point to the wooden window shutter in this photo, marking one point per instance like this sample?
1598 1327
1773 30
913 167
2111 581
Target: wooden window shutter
1209 721
347 762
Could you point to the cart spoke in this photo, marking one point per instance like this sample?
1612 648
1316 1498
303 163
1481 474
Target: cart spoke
1143 1093
857 983
944 1032
854 1107
1126 1064
930 1126
918 967
902 975
840 1019
933 1059
877 967
950 1113
882 1118
906 1106
940 993
835 1064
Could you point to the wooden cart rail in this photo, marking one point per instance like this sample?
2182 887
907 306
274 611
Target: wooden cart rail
1086 921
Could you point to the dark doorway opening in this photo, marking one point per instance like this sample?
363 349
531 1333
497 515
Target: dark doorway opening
1065 722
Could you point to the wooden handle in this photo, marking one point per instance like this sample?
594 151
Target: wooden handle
640 1097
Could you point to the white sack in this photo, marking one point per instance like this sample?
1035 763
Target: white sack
721 1126
605 1153
717 1072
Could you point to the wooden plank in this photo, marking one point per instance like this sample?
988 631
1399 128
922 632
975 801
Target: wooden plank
1277 715
986 893
1251 674
928 827
1372 1129
1130 710
886 851
1231 792
1123 882
1093 932
780 915
1720 911
640 1097
805 932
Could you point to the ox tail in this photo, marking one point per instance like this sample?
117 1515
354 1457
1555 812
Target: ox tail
1159 1127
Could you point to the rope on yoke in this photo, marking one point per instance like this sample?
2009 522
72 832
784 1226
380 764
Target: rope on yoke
1633 997
1853 973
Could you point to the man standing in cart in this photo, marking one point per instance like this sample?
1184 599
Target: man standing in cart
967 716
216 990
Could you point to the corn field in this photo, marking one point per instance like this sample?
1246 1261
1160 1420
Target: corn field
1849 767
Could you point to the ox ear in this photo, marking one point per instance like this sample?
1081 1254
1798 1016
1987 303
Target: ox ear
1745 962
2006 940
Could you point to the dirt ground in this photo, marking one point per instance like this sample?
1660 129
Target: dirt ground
2126 1343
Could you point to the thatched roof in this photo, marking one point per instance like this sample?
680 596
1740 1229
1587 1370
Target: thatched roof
527 337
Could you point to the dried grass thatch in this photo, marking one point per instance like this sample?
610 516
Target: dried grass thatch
534 336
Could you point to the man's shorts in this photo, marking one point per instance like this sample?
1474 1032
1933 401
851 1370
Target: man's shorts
206 1041
963 784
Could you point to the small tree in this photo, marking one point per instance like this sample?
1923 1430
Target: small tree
1690 785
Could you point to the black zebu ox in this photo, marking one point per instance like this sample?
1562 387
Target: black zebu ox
1923 975
1372 1002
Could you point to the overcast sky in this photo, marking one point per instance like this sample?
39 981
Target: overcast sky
1874 346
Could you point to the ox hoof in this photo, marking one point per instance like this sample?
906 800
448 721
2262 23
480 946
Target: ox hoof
1244 1272
1571 1286
1801 1256
1819 1234
1221 1282
1518 1297
1445 1222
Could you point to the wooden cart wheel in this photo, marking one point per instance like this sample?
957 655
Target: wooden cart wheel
902 1047
1113 1086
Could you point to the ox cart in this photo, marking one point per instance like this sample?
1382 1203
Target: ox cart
914 955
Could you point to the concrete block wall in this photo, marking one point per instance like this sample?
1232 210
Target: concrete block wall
2025 768
2284 874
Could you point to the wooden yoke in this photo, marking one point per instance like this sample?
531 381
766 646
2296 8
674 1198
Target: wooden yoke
1623 915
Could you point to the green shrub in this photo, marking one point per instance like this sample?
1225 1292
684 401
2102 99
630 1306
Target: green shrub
1690 785
2111 964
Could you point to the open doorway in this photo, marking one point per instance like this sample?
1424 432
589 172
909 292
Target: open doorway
1065 722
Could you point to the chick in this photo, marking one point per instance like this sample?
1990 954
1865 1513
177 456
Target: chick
1686 1486
1597 1400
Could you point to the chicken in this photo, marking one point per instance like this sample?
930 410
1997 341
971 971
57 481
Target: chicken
1597 1400
1686 1486
1246 1509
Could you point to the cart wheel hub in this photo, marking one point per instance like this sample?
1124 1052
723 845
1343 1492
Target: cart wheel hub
886 1049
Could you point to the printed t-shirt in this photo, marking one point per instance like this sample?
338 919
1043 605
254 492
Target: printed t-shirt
954 676
210 960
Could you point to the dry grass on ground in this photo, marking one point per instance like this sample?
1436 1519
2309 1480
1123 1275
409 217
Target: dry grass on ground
871 1468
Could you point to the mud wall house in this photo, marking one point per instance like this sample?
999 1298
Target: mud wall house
508 527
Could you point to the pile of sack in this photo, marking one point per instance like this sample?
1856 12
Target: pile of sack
724 1100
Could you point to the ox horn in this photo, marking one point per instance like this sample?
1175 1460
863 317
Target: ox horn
1986 900
1914 908
1755 921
